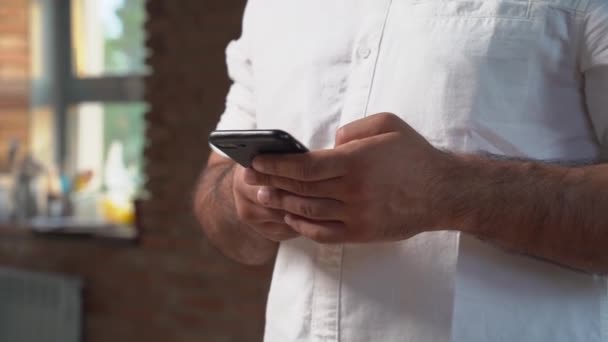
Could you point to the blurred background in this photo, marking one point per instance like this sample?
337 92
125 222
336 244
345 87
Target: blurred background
105 108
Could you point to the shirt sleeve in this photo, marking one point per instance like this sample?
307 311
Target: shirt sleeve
239 112
594 65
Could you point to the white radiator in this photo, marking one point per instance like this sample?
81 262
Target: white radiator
39 307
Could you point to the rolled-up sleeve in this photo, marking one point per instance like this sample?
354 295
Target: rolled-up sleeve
594 65
240 101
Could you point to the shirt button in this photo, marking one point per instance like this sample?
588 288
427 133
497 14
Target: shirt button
363 52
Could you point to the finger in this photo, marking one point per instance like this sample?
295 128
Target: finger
250 193
368 127
322 189
253 213
276 232
323 232
311 166
312 208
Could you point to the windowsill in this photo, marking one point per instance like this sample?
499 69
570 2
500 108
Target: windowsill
71 229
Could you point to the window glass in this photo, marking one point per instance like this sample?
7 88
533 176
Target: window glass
107 139
108 37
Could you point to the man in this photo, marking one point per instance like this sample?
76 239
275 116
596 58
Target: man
407 226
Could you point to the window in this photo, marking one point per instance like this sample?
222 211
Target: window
108 37
88 68
107 45
95 129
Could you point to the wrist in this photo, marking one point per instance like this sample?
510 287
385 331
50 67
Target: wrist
459 176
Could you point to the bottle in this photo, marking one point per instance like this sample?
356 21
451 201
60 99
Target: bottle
25 191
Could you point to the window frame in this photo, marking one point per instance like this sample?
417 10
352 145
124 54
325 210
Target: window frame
59 87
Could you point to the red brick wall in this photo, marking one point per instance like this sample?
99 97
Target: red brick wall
14 70
174 286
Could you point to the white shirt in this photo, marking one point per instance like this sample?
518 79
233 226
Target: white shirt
522 78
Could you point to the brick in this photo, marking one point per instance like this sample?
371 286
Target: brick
14 71
174 286
17 59
203 303
191 320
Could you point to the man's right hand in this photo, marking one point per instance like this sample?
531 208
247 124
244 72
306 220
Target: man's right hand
269 223
228 210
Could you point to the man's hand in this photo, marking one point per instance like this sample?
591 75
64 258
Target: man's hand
378 184
232 220
384 182
267 222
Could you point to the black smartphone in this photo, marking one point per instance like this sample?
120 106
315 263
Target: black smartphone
244 145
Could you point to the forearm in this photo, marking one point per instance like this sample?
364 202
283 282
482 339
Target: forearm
215 209
552 212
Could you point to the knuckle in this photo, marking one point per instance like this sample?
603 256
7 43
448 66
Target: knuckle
305 171
278 168
265 180
308 169
390 116
342 134
344 162
271 166
306 209
388 119
300 187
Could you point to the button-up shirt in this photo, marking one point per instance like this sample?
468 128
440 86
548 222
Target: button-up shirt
524 78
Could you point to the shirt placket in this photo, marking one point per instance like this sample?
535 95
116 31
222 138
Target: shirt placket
365 59
326 302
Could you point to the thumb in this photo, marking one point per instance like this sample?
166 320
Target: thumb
370 126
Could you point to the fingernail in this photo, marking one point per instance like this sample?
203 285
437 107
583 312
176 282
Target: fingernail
255 164
288 219
264 195
290 222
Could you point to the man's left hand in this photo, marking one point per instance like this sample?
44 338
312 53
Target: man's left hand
382 182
